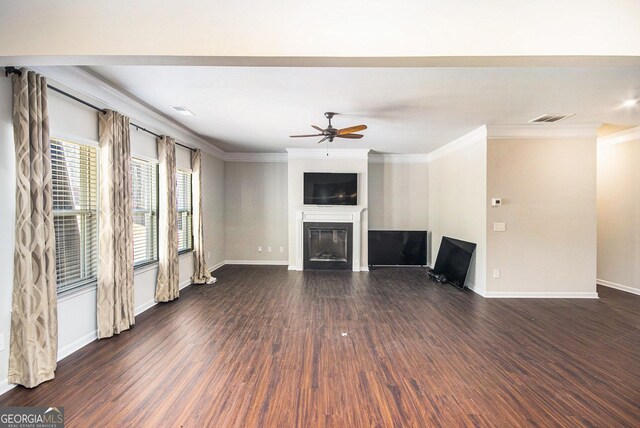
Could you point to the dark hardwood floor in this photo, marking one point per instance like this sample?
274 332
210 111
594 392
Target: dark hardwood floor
267 347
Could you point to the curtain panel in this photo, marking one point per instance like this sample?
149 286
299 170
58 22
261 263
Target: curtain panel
201 274
115 301
167 285
33 346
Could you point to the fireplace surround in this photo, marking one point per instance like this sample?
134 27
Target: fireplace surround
340 215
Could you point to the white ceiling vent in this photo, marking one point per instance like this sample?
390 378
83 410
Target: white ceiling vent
550 118
183 110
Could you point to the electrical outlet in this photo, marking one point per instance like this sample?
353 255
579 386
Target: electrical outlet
208 254
1 341
259 249
269 249
496 273
282 249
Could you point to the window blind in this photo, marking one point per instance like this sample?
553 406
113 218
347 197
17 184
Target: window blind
75 210
144 186
183 191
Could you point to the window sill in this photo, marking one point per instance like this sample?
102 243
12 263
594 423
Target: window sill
184 252
77 291
145 267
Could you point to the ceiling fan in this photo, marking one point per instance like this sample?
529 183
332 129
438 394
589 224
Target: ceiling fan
329 133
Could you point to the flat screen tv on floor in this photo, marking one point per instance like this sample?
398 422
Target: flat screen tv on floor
397 248
327 188
454 258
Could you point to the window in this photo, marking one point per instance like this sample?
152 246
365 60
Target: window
183 191
145 205
75 213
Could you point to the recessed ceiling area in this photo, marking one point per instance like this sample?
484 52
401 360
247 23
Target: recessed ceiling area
406 110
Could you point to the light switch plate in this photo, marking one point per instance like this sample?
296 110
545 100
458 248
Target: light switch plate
1 341
499 227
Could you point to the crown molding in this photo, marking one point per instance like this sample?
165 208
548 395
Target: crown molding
103 93
255 157
331 154
625 136
475 136
399 158
543 130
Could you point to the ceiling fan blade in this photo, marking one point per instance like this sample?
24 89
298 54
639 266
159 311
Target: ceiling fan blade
350 136
317 128
324 139
351 129
309 135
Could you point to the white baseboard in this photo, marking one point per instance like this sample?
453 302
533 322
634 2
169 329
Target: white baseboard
5 386
77 344
538 295
257 262
620 287
85 340
185 283
477 290
151 303
216 266
143 307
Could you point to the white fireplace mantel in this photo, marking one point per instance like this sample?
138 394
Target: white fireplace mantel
328 214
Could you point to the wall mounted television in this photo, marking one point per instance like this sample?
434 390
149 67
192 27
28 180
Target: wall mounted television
452 263
328 188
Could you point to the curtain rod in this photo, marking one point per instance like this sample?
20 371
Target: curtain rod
13 70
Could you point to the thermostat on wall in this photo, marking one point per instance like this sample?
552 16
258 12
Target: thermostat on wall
496 202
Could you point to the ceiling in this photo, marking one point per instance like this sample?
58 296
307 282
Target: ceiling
87 32
407 110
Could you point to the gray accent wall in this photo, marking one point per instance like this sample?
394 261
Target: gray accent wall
255 207
398 196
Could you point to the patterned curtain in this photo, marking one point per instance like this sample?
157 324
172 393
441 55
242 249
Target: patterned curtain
33 347
115 306
167 286
201 274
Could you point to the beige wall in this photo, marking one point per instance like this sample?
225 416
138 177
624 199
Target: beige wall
298 166
398 196
457 202
548 189
213 209
7 225
619 215
255 205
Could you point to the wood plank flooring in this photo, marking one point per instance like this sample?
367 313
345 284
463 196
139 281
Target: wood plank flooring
267 347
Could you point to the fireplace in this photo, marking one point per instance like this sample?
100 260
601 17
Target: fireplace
328 245
344 217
